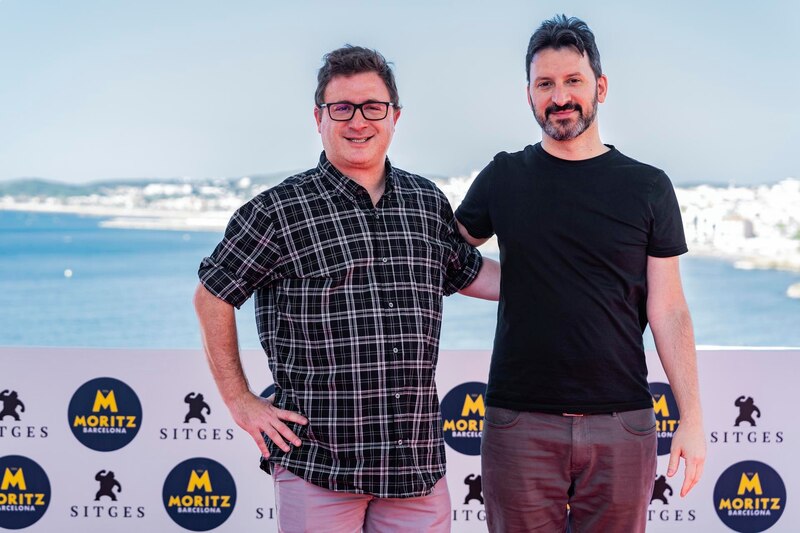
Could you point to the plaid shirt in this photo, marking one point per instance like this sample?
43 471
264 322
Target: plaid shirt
349 310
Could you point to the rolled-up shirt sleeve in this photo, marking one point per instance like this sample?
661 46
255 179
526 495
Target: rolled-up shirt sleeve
247 257
464 261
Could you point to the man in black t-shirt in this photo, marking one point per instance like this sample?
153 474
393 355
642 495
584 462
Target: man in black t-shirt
589 243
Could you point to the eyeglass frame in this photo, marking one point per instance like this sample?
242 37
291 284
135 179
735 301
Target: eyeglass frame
358 107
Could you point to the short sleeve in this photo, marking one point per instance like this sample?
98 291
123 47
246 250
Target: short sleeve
666 228
463 261
474 213
245 259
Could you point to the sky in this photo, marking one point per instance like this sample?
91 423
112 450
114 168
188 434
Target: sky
110 89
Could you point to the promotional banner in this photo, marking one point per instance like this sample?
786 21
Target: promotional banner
98 440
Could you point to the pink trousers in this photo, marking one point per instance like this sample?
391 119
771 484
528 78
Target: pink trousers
305 507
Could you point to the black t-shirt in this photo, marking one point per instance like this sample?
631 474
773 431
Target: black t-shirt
574 238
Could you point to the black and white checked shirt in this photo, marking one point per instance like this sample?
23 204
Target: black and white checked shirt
349 309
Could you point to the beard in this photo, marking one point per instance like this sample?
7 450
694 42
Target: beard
566 129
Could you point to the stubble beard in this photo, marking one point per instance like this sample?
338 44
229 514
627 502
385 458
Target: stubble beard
566 129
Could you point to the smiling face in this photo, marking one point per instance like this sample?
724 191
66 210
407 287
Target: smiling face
357 147
564 93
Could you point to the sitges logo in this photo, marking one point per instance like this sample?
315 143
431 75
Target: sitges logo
660 509
199 494
749 496
107 502
195 422
13 408
748 427
105 414
667 415
463 409
24 492
472 508
12 405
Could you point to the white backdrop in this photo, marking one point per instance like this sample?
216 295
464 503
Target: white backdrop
46 379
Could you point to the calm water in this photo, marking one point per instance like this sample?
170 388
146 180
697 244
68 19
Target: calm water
132 288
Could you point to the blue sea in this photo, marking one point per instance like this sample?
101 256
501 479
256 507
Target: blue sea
66 281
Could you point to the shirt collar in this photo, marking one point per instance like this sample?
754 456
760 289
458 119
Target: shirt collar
334 179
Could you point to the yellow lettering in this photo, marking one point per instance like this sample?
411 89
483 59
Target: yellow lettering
660 406
173 501
752 484
13 480
449 425
105 401
226 501
199 482
473 406
776 504
79 421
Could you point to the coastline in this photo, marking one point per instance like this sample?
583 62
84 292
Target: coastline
141 218
132 218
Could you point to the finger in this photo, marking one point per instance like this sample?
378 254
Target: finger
674 461
688 480
276 438
694 470
286 432
291 416
262 446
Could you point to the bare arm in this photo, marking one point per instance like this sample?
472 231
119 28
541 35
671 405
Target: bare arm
474 241
486 284
672 330
252 413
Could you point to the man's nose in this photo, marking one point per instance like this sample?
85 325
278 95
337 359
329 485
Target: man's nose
358 120
561 95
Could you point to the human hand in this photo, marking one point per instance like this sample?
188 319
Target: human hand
689 442
259 417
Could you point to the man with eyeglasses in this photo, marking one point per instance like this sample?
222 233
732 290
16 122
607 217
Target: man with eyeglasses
349 262
589 242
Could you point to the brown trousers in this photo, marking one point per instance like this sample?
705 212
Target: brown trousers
535 464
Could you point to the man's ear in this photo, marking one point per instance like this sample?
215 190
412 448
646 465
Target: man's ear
318 117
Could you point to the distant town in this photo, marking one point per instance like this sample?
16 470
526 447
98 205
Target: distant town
754 226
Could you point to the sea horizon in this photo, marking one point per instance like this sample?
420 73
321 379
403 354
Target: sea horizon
70 281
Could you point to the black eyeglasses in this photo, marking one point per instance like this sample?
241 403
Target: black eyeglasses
344 111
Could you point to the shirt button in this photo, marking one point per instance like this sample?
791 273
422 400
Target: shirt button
397 395
384 259
400 442
391 305
395 350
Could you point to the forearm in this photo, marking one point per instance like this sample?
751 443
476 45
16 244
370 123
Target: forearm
257 416
674 337
220 342
486 284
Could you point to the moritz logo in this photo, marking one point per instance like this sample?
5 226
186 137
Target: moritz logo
199 494
749 496
24 492
667 415
104 414
463 410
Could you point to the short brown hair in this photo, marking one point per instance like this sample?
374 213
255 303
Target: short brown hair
350 60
